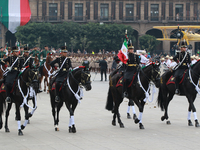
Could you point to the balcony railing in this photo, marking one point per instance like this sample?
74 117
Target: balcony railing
111 19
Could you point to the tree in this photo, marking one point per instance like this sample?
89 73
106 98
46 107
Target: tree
84 42
148 43
73 42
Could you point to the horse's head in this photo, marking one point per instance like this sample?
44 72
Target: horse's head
49 58
85 79
36 61
33 78
155 73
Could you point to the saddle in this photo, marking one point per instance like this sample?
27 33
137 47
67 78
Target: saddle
121 81
172 79
53 87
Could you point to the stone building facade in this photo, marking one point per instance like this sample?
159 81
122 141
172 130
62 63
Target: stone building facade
141 15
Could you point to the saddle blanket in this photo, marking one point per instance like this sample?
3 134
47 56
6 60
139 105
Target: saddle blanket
172 79
120 81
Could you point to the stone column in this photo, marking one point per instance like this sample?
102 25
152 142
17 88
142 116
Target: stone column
166 47
66 10
92 10
142 10
167 10
117 11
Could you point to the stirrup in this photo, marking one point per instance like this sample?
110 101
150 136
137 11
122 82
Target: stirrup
57 99
177 91
8 99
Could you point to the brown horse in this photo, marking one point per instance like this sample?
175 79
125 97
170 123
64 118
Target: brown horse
46 72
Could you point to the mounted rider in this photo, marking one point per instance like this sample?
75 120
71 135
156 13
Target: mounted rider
86 63
44 55
27 60
64 64
34 52
15 63
182 59
132 67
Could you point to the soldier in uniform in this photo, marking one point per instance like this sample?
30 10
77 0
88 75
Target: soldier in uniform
27 60
44 55
182 59
64 65
2 53
86 63
34 52
9 52
103 67
132 67
15 63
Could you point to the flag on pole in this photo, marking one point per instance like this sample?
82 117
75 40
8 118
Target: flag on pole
123 53
15 13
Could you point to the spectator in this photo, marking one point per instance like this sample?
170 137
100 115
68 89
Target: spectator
103 67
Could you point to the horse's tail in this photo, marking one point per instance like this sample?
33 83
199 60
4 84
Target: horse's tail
160 99
109 103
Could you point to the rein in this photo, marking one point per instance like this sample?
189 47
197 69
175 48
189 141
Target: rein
48 71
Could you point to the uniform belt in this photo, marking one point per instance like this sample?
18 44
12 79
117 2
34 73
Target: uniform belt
15 68
184 64
132 64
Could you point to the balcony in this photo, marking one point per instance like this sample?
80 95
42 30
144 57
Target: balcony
109 19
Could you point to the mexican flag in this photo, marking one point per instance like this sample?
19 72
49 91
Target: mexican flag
14 13
123 56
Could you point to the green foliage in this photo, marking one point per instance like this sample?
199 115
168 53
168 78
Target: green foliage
148 43
90 36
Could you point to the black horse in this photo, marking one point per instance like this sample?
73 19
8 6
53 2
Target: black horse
29 78
187 88
70 94
135 92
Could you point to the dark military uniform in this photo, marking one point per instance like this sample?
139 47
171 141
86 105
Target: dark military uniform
132 67
12 75
86 63
103 67
26 60
44 54
180 70
63 72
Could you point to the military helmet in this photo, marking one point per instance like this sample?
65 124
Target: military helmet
26 49
183 44
64 49
130 46
15 49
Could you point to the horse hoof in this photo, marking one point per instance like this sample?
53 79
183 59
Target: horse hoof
113 123
141 126
168 122
20 133
7 130
162 118
121 125
56 129
22 127
128 116
73 129
196 123
137 120
70 129
190 123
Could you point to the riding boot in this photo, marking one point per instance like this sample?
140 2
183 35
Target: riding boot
39 91
57 98
8 90
177 91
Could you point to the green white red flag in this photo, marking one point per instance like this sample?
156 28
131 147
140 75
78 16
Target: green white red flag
14 13
123 53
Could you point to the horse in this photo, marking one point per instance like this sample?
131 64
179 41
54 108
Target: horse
188 86
46 71
71 93
28 78
137 92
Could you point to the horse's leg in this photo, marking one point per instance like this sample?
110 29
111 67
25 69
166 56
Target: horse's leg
18 117
116 111
131 105
40 79
7 114
57 118
189 116
1 121
47 85
168 99
45 80
191 99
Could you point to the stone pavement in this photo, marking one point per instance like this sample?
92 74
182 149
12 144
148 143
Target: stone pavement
94 129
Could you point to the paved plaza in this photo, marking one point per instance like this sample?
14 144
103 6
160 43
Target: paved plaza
94 129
